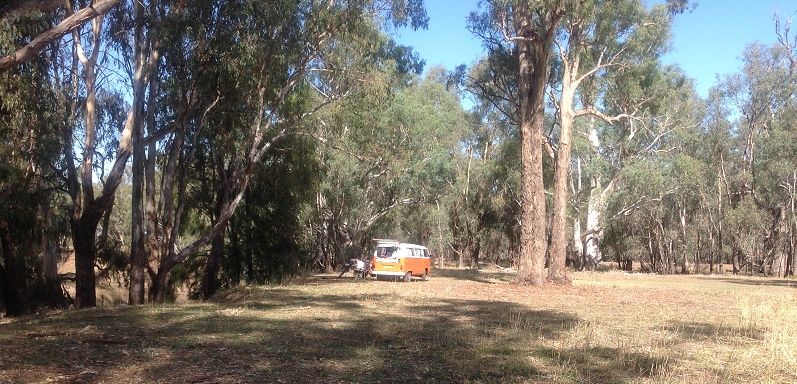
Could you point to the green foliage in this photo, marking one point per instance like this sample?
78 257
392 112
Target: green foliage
387 162
268 241
29 146
747 224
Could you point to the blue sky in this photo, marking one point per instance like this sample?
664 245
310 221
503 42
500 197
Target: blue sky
706 42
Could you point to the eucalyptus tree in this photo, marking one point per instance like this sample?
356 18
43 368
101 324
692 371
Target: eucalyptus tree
528 31
658 107
716 150
29 146
267 238
387 161
760 99
439 124
592 39
247 79
466 211
776 157
715 183
82 74
139 53
493 82
777 192
364 74
597 38
480 220
90 123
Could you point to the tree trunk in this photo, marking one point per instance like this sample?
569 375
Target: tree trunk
50 250
84 244
791 266
670 257
160 284
477 247
248 254
533 55
138 255
557 251
711 252
578 243
235 261
87 211
652 252
152 247
85 226
11 299
735 260
776 244
684 256
596 208
210 279
697 254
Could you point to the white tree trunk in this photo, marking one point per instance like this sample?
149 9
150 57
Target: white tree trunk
596 211
578 245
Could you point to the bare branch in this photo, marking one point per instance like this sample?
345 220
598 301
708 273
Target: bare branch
643 200
600 65
595 112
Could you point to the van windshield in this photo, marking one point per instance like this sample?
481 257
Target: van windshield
386 252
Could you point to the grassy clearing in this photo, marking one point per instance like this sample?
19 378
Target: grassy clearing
461 326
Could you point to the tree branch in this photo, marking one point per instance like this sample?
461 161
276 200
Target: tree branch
11 12
608 119
68 25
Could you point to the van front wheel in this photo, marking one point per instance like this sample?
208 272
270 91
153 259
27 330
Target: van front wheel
408 277
425 276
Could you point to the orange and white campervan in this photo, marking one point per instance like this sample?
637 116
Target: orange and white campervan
393 259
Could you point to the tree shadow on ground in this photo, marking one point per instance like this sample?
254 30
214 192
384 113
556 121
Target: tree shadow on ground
283 335
479 276
759 282
332 279
288 299
691 331
609 365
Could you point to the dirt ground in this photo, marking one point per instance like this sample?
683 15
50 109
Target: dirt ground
460 326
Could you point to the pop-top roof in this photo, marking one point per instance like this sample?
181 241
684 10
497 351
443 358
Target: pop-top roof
396 243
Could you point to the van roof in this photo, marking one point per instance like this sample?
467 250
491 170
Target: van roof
396 243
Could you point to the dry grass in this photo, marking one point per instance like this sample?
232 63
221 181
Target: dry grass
461 326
